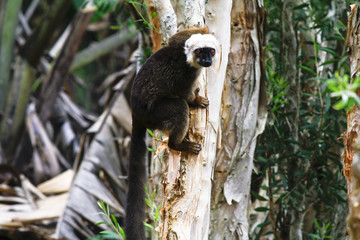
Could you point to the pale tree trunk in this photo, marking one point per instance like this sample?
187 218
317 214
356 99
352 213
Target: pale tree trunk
243 118
227 130
351 136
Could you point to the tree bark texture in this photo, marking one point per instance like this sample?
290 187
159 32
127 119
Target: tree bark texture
351 156
243 118
227 130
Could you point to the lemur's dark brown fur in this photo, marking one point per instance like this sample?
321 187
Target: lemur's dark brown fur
160 98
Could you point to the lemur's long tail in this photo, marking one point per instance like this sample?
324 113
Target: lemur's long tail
135 209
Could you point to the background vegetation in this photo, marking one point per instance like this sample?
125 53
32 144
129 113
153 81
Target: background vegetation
298 162
298 175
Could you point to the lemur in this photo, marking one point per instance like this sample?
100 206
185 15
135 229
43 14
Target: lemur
161 94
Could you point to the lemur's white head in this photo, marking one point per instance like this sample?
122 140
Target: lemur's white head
200 49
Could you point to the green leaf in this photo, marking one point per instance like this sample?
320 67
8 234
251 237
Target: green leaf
333 85
134 2
106 223
157 214
110 233
101 205
261 159
316 46
309 126
114 220
262 209
330 51
114 27
151 149
309 70
148 202
153 195
317 224
314 236
331 61
153 15
149 226
151 133
36 84
258 196
107 209
108 236
340 105
122 232
261 225
343 60
327 226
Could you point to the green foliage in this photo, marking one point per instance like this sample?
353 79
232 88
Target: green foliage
103 7
118 232
277 91
142 5
154 210
322 232
157 139
304 172
342 87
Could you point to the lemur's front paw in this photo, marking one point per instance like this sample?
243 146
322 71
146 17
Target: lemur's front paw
200 101
203 102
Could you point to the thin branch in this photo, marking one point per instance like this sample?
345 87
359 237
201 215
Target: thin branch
99 49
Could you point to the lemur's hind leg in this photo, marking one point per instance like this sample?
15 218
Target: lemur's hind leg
172 116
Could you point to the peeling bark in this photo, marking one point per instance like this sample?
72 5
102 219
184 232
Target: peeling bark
351 156
243 118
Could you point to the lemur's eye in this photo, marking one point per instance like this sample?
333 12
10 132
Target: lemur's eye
197 52
212 51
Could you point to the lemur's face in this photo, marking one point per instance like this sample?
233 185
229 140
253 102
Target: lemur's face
204 56
200 50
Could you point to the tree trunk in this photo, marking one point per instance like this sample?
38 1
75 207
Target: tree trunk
230 125
243 118
351 136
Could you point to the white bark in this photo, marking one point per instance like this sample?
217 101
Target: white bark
194 12
243 118
167 17
188 178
